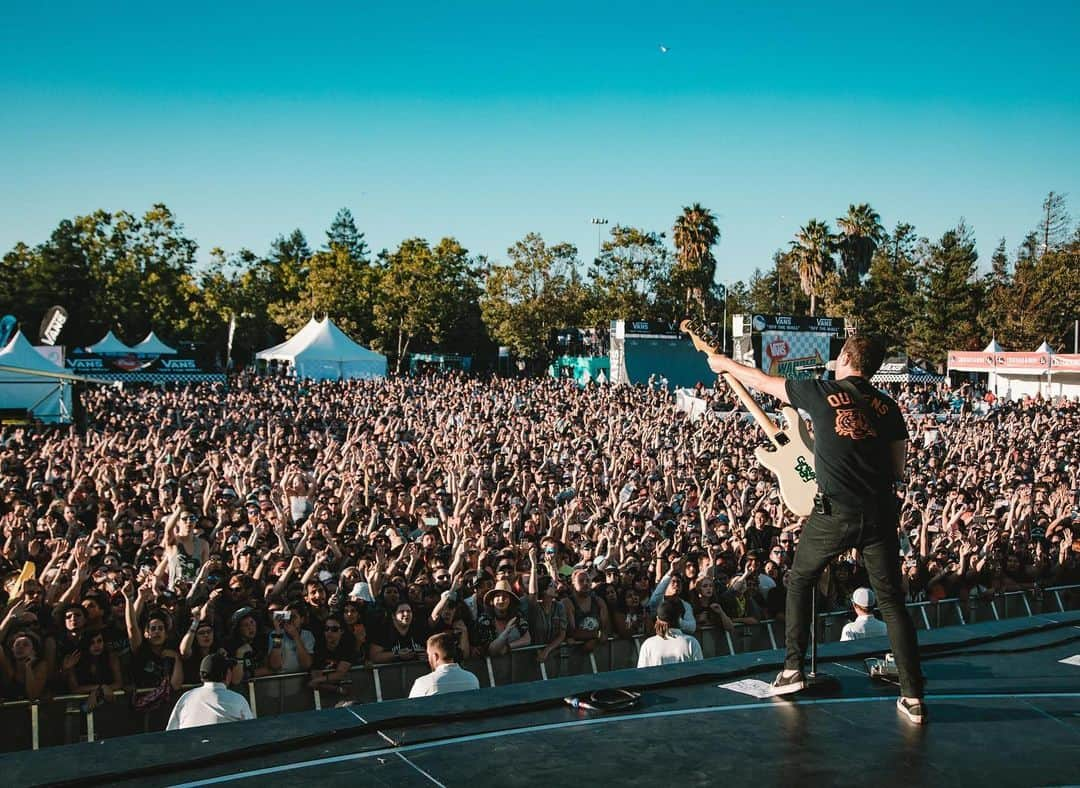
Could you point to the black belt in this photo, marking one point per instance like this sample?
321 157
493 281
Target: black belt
823 504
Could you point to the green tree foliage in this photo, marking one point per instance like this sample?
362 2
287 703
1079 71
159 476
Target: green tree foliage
812 252
695 234
952 295
776 290
343 235
110 271
423 295
1038 298
525 299
132 273
890 295
1054 223
633 266
860 233
339 286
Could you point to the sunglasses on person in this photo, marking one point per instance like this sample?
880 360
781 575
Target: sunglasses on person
191 518
332 629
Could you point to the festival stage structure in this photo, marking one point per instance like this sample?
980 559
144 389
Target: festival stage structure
792 346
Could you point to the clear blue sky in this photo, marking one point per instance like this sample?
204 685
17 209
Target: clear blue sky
490 120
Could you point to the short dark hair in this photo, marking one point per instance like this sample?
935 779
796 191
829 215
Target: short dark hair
865 353
670 612
445 644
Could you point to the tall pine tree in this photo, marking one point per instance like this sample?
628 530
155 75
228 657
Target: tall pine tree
952 297
343 235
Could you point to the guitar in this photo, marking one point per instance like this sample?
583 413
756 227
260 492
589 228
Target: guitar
792 455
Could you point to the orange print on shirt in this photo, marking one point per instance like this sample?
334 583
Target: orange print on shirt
853 424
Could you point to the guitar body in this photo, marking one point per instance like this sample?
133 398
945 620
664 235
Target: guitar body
792 455
793 464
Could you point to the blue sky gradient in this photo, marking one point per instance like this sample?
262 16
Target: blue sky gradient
491 120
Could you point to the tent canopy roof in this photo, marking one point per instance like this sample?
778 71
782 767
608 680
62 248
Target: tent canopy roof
109 345
320 341
20 353
153 345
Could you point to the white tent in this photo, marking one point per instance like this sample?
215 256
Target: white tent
109 345
47 398
322 351
152 346
290 346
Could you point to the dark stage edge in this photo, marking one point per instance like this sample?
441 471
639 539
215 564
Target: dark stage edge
1004 711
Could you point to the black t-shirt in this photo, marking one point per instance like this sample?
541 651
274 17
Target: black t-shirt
326 658
414 639
852 442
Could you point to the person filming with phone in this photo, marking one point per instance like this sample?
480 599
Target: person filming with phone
860 450
291 646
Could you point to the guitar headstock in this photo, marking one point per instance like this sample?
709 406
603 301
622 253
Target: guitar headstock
703 338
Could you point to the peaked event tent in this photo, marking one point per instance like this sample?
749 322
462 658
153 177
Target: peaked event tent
322 351
152 346
47 399
902 370
1041 372
109 345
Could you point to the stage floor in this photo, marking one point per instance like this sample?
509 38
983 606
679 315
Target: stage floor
1002 712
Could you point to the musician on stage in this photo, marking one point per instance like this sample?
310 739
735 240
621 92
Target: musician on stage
860 447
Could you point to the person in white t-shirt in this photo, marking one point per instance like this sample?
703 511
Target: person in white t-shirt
213 702
669 645
446 675
864 625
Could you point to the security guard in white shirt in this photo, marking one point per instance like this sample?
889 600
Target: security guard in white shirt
864 625
446 675
669 645
213 702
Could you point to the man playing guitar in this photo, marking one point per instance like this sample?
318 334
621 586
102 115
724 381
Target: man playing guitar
860 447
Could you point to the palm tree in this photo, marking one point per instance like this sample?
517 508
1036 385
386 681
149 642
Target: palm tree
695 234
813 250
860 233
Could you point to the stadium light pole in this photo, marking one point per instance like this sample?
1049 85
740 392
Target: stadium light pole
599 222
723 345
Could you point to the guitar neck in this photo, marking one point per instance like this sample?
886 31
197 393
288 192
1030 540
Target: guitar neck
752 406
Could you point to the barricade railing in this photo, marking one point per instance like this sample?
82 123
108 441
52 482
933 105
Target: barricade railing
64 719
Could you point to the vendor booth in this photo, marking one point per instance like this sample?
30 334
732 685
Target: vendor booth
1016 375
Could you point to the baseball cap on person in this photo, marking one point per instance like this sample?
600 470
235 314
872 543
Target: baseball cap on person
863 597
214 667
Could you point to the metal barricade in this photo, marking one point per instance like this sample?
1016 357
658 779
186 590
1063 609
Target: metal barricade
361 686
760 639
17 726
980 608
712 642
58 722
281 694
521 665
30 725
1013 604
623 654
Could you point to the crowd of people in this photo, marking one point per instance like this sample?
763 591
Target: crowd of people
303 527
